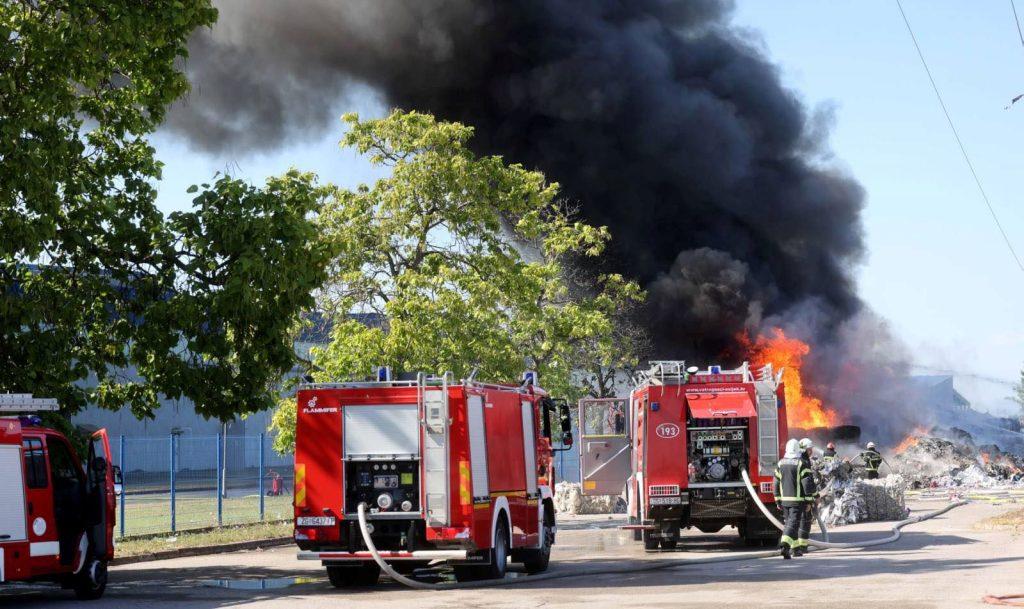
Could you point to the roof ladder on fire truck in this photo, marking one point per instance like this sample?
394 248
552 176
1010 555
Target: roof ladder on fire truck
433 403
768 418
13 403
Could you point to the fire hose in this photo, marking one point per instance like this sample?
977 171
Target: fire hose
851 544
633 568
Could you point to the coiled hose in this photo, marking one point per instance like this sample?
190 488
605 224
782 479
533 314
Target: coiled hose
850 544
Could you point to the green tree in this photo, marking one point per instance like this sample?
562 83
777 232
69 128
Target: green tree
468 260
94 280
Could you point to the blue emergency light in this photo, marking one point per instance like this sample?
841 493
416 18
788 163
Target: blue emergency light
716 370
384 374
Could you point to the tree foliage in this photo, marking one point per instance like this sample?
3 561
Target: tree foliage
94 281
468 261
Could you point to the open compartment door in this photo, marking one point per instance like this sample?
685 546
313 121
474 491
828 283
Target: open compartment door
605 447
100 476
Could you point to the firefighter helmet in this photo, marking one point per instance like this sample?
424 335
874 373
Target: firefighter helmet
806 443
831 445
871 444
792 449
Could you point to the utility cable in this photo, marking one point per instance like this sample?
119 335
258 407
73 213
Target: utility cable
959 142
1016 20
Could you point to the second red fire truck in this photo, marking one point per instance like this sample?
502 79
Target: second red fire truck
453 472
56 512
684 439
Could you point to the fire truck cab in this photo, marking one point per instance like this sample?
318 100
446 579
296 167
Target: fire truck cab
690 434
447 472
56 514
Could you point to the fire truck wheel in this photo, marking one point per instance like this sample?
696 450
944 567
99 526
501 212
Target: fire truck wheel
536 561
650 542
669 544
350 577
90 584
498 558
499 554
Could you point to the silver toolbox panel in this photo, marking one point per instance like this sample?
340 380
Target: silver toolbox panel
478 447
12 494
381 431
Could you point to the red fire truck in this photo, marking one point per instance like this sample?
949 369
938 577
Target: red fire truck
688 435
56 516
452 472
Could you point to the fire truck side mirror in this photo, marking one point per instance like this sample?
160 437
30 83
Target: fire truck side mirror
565 420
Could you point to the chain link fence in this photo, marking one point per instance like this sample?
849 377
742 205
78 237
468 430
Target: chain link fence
180 483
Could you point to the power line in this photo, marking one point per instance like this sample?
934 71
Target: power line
959 142
1016 20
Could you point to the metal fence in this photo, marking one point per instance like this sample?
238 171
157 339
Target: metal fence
179 483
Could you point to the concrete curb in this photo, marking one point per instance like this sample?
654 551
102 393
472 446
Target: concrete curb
203 550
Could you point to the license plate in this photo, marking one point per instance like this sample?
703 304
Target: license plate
666 501
315 521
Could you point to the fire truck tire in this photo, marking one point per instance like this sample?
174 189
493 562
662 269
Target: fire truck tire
91 582
669 544
650 542
498 559
536 561
351 577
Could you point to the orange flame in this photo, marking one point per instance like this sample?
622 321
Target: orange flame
787 354
911 440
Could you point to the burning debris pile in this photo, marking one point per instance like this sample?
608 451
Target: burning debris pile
569 499
933 462
848 499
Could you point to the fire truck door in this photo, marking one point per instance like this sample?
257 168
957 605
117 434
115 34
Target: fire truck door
100 495
605 459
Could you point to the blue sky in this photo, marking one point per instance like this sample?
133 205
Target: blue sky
937 267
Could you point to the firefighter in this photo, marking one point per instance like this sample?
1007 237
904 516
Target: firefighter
829 456
806 514
872 460
794 484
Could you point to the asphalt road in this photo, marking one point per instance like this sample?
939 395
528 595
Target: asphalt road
944 562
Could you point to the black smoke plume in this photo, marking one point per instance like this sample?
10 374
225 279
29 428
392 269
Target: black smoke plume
660 118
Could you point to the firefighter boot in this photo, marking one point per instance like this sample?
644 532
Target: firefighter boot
784 551
799 551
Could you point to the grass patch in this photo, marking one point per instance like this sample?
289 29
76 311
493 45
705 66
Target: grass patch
233 534
146 514
1011 521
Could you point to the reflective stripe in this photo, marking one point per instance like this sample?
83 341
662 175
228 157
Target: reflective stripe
44 548
300 485
789 541
465 495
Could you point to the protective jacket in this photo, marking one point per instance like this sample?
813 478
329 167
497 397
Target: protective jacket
829 455
872 459
794 483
